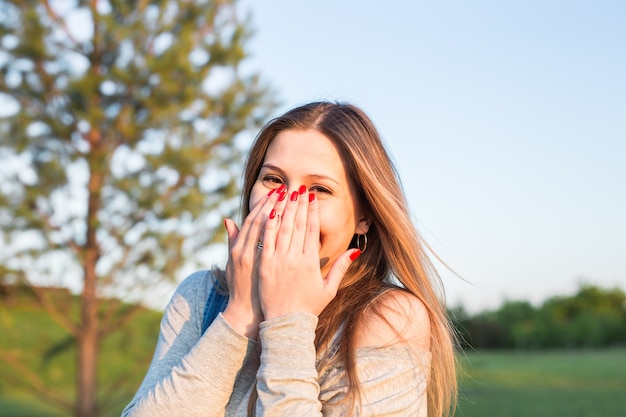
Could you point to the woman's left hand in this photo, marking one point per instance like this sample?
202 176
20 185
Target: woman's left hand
290 280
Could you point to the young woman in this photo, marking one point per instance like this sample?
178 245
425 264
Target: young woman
331 308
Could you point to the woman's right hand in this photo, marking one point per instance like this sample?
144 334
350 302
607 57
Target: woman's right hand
243 312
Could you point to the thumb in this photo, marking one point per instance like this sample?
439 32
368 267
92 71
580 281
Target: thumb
338 270
231 230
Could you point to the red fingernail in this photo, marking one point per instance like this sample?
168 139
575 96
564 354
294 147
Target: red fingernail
282 196
294 196
282 188
272 213
311 197
271 192
302 190
355 254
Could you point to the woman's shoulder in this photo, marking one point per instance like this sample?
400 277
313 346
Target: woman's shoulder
196 286
395 316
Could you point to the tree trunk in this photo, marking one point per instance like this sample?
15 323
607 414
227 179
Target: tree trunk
88 343
88 337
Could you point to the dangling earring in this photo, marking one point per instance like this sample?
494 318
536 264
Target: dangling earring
358 242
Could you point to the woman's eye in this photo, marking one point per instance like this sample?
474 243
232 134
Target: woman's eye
272 179
319 189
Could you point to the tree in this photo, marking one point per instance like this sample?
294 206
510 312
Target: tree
593 317
122 130
515 319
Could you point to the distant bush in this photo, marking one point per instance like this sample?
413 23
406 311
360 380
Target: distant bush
592 318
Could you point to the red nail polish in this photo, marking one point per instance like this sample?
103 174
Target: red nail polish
302 190
355 254
311 197
281 189
272 213
282 196
271 192
294 196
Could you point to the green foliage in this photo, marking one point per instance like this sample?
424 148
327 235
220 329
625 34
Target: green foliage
593 317
131 123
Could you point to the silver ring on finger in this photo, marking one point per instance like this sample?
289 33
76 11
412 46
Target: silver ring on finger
259 245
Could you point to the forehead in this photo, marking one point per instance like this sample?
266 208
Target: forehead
305 150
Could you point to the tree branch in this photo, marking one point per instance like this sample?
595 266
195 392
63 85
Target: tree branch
121 319
46 302
59 21
52 228
113 389
32 380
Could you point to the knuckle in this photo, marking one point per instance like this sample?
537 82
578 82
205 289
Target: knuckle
256 221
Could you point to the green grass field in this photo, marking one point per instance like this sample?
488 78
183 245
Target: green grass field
502 384
558 383
43 347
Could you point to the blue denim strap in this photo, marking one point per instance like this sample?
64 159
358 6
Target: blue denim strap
215 304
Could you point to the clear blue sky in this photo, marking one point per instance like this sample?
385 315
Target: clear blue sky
506 120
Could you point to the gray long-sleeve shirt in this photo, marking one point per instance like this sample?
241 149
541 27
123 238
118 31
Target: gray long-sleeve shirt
214 374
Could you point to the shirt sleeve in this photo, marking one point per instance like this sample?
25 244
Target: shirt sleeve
393 378
393 381
191 374
287 378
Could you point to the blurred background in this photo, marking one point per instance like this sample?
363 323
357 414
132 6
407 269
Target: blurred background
506 121
124 127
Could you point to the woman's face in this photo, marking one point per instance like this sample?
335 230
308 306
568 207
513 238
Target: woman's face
307 157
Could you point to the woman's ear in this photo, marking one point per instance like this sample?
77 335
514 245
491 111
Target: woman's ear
363 226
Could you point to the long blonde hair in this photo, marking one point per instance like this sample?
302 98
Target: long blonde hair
394 249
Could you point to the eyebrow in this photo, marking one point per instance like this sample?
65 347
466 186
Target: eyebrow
317 176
